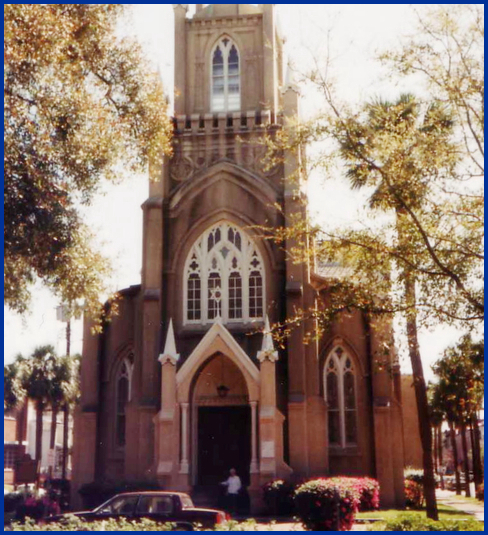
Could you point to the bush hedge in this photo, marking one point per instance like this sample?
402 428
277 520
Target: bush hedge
278 497
11 501
416 523
327 504
74 524
414 494
367 489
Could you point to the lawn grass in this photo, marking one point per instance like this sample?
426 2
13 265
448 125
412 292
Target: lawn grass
445 513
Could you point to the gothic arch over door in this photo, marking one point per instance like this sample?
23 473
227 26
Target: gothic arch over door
221 428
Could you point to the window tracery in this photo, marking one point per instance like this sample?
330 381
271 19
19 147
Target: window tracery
226 83
224 277
340 394
123 396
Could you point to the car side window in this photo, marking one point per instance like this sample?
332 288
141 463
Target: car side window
186 502
120 506
155 505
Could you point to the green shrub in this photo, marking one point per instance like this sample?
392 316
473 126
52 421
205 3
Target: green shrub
278 497
414 494
417 523
250 525
326 505
417 476
74 524
11 501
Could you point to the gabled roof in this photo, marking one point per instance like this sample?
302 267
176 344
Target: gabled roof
218 332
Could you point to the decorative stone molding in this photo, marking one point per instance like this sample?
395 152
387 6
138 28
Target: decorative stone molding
170 356
268 351
167 415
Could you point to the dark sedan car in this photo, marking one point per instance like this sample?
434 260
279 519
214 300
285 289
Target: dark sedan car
162 507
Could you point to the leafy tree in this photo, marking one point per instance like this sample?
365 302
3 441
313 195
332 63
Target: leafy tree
421 253
80 104
447 52
445 410
13 393
460 391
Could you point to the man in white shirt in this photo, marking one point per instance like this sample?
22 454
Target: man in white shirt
234 486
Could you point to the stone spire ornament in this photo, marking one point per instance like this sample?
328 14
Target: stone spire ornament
170 354
268 351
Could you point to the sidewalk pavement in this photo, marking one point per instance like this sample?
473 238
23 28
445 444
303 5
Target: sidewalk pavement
449 498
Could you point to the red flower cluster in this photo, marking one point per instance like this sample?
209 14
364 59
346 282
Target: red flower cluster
332 504
414 494
367 490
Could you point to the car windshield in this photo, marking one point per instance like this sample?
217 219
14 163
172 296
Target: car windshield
120 505
186 501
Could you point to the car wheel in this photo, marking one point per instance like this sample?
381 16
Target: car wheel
183 528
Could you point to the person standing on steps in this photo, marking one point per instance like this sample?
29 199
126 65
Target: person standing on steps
234 487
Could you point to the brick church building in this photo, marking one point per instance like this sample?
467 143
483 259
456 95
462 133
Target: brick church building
183 385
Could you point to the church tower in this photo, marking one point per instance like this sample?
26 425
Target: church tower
221 282
187 382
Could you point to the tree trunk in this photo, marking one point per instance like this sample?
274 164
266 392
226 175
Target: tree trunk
39 430
467 485
436 451
421 396
475 455
477 439
452 432
54 424
441 449
65 441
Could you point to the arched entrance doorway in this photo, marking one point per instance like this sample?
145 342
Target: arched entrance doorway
222 420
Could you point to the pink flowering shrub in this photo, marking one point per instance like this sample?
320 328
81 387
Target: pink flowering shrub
367 489
327 504
331 504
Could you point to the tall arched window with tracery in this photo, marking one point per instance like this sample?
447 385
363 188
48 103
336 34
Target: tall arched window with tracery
123 396
226 78
340 394
224 278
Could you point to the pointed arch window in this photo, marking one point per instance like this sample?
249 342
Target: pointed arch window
124 392
225 266
226 78
340 394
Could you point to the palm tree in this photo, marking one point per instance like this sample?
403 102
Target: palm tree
13 393
37 374
71 395
389 152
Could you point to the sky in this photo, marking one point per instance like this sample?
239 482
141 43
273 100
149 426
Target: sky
352 35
